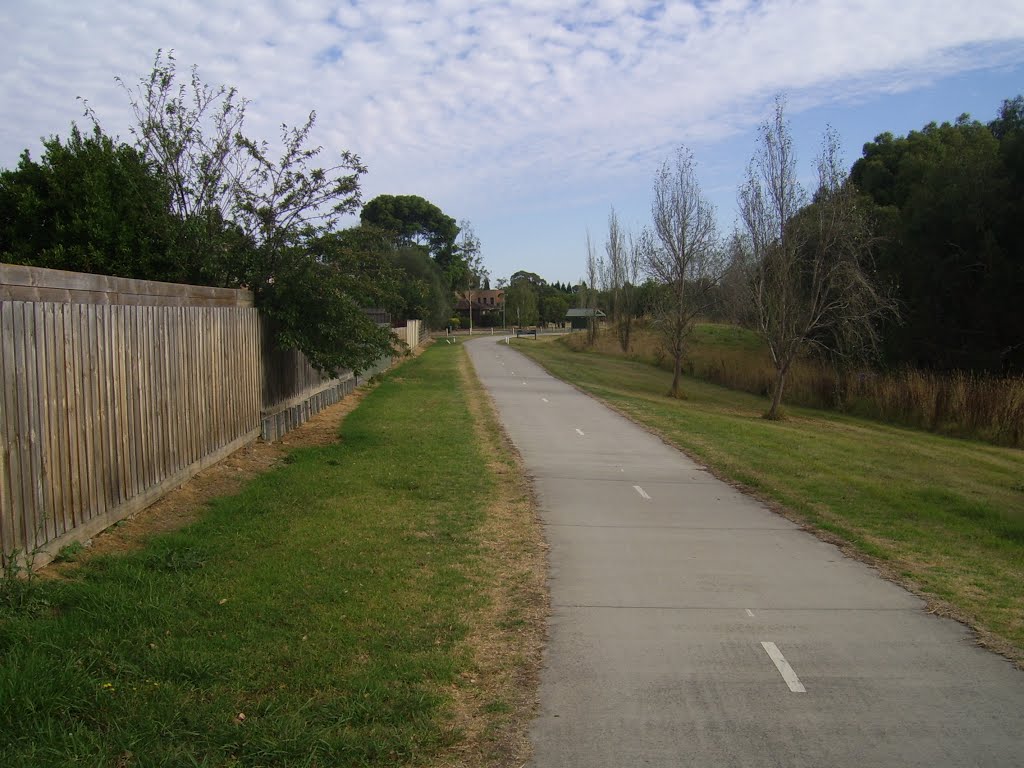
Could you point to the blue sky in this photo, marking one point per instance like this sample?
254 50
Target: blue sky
531 118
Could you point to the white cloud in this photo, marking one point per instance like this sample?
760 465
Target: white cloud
482 105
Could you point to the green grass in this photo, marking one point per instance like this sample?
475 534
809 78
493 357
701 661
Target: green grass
958 404
718 336
326 602
945 514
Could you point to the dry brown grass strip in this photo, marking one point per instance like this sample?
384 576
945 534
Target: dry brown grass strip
496 700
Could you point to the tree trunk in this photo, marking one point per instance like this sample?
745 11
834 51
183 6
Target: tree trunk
625 331
780 381
677 374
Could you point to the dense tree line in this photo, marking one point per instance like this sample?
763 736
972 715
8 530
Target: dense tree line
912 258
947 202
530 299
191 199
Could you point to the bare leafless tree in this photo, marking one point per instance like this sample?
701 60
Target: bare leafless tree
471 250
684 254
189 131
621 271
813 281
589 296
734 290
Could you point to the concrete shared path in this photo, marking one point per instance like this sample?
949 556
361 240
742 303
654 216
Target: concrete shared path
691 626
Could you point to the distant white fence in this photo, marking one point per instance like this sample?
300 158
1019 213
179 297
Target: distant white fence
414 333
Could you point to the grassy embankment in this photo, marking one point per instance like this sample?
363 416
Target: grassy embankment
945 516
959 404
365 603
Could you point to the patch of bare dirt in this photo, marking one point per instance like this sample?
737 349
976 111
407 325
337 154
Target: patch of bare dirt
496 700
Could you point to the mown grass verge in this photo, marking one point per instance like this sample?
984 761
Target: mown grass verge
944 516
319 617
974 406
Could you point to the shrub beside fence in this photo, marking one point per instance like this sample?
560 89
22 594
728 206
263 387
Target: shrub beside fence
293 390
115 391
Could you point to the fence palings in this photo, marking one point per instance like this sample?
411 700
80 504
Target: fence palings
114 391
104 406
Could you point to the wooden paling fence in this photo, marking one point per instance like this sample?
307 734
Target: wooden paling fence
115 391
293 390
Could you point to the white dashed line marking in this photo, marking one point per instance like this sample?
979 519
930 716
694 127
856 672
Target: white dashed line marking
784 669
545 400
642 492
524 383
579 432
750 613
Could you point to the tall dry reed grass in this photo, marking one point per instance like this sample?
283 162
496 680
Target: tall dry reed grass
960 404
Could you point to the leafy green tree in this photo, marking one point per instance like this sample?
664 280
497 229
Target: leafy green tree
195 201
414 221
317 301
521 304
288 207
284 203
532 278
1010 119
288 201
90 204
1008 128
423 288
947 204
553 308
